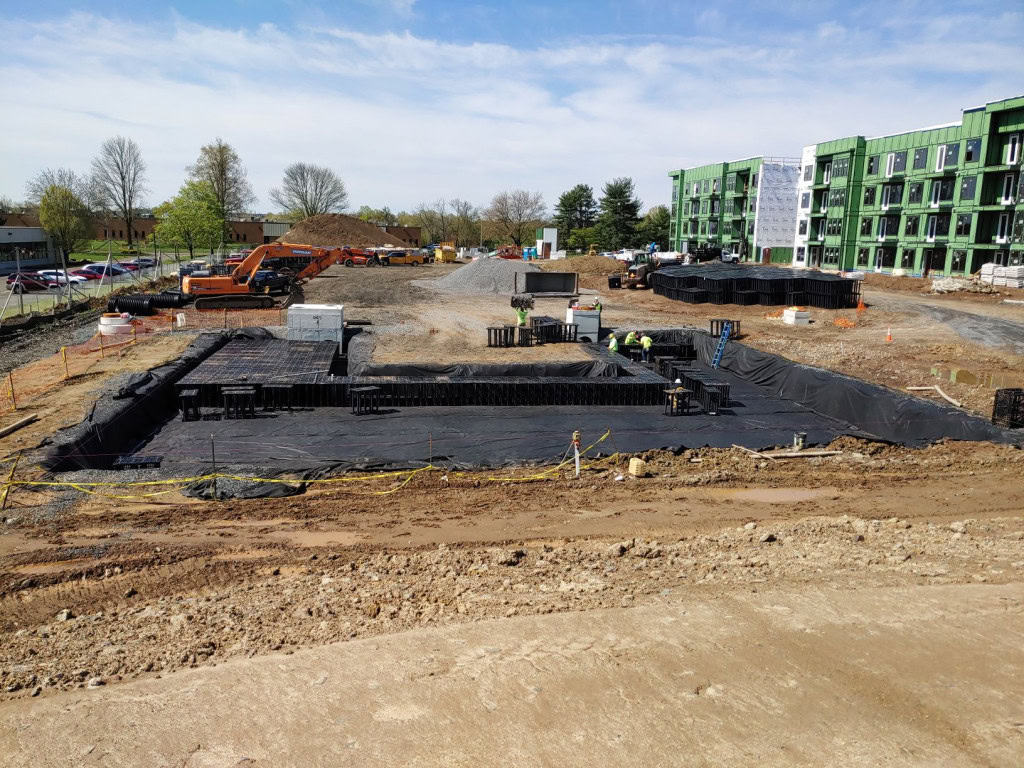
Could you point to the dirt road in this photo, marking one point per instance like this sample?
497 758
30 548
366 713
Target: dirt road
902 676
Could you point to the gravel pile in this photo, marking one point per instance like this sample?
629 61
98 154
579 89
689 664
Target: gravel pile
485 276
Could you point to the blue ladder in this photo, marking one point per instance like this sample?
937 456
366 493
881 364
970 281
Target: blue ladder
726 329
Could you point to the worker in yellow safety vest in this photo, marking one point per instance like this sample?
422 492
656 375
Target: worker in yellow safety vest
613 343
645 343
631 339
521 316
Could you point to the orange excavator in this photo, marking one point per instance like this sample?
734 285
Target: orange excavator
275 267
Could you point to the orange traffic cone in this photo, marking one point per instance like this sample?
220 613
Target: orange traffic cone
888 335
860 306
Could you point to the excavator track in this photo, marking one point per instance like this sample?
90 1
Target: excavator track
242 301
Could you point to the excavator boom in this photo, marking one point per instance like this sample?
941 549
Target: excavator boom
239 290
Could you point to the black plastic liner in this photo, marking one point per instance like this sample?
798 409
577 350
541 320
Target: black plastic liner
581 369
119 420
887 414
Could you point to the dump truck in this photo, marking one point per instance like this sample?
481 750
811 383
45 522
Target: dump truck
248 285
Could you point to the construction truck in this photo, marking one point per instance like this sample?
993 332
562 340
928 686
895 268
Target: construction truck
272 267
638 273
445 252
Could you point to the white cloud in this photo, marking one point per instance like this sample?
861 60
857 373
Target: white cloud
404 118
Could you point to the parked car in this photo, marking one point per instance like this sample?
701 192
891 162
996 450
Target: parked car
729 257
143 261
101 269
269 281
85 274
30 281
61 277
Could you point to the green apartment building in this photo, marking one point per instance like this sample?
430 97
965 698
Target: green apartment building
941 200
743 206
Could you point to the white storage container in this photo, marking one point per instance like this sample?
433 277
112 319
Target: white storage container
316 322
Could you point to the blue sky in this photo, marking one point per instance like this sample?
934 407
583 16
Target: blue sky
414 100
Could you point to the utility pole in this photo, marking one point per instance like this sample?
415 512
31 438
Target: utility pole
18 283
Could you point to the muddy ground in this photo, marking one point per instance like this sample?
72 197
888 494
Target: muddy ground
146 597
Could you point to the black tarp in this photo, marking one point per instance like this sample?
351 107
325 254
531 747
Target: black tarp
473 436
579 369
119 420
890 415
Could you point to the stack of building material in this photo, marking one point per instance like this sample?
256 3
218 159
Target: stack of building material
988 270
316 322
796 316
999 276
1014 277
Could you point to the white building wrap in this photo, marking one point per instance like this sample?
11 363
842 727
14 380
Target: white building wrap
776 205
803 213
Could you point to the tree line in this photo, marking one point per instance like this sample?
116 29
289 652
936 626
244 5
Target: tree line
217 189
512 216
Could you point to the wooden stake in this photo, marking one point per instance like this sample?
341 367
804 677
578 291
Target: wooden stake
64 357
10 382
10 477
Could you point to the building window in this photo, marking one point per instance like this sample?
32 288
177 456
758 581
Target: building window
942 192
1003 229
938 226
714 207
890 162
940 158
245 237
826 175
885 257
963 225
865 227
750 228
900 162
753 204
104 234
120 233
892 194
920 158
967 187
753 180
907 258
972 150
1013 150
913 223
730 182
728 207
959 261
802 227
707 185
862 257
952 154
888 226
1009 182
714 188
805 201
808 172
869 195
712 228
801 253
703 228
872 165
916 194
841 167
704 207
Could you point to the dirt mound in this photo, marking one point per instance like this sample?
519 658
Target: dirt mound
585 265
339 229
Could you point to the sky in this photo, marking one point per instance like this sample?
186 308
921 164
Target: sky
410 101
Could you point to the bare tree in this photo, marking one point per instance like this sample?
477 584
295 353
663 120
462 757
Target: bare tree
81 186
465 222
220 166
119 174
516 214
308 190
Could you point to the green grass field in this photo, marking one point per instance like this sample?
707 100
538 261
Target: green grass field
96 250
